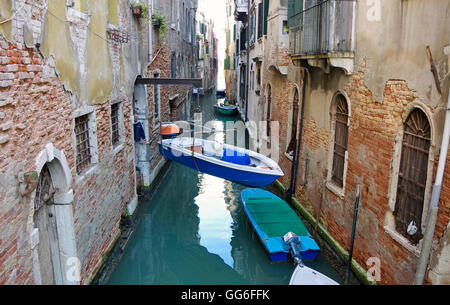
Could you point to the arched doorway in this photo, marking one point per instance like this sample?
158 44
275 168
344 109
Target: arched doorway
52 237
44 221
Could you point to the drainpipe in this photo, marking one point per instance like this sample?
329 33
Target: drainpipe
294 169
150 45
434 204
248 61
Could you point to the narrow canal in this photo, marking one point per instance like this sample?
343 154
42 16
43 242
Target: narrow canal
193 230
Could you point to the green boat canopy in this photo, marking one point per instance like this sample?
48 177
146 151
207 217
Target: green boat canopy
275 216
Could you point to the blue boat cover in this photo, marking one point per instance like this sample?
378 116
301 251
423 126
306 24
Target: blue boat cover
235 157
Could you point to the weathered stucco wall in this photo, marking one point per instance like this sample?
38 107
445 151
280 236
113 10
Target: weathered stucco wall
56 42
99 79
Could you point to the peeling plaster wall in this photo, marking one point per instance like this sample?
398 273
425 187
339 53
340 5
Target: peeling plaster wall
398 41
56 43
99 80
5 13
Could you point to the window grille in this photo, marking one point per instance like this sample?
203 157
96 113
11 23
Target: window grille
115 124
83 144
412 176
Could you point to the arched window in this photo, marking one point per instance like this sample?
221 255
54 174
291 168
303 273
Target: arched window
412 176
294 123
340 140
269 105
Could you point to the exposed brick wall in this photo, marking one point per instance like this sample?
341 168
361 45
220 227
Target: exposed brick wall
36 110
26 98
101 196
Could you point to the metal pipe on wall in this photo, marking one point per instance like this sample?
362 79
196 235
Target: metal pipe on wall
434 203
248 61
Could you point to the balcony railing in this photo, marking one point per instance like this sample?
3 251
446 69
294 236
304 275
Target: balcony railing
323 28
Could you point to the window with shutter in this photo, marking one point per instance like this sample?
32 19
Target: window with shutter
266 14
412 176
340 140
260 19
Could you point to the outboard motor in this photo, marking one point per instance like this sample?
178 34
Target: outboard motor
293 241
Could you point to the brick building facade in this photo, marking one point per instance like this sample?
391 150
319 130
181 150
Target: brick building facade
373 116
67 169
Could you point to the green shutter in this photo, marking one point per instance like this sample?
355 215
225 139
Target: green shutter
227 63
266 14
295 18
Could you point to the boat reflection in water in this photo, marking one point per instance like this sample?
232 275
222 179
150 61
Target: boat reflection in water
194 231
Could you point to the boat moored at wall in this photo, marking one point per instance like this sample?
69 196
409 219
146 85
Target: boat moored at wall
272 218
225 161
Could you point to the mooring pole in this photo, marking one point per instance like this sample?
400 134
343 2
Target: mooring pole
352 240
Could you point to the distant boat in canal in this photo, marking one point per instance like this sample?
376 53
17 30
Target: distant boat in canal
272 218
225 161
226 109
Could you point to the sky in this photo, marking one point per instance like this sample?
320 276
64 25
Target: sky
216 10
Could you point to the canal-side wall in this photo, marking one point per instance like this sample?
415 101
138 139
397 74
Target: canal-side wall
46 69
383 90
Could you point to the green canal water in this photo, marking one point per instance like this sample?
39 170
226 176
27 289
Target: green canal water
193 230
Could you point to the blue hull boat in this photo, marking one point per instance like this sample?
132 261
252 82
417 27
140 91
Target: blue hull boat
221 160
271 218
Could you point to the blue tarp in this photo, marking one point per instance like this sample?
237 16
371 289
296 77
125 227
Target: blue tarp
235 157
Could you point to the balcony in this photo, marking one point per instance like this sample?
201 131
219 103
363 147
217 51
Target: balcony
241 10
323 33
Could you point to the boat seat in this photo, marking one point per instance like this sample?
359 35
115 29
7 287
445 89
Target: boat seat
233 156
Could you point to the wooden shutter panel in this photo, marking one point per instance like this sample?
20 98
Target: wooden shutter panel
340 140
266 14
260 19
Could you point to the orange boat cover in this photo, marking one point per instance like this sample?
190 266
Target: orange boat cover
170 129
